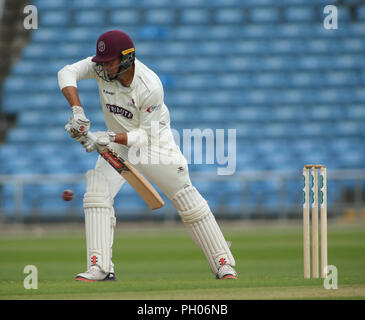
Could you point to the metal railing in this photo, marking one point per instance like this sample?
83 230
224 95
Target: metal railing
349 198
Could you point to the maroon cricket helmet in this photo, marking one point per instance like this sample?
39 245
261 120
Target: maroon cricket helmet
111 45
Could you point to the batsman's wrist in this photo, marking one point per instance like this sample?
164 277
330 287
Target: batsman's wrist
78 110
121 138
112 135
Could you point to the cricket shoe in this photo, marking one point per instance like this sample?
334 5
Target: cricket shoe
226 272
95 274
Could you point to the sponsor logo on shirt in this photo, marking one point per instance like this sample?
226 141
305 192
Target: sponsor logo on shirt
153 108
108 92
119 110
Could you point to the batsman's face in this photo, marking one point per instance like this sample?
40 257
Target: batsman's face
112 67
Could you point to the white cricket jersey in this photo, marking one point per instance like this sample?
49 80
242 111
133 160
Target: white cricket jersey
127 109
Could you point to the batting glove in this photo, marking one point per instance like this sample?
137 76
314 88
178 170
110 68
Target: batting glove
103 139
80 125
78 137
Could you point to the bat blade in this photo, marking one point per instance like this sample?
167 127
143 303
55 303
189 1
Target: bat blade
138 182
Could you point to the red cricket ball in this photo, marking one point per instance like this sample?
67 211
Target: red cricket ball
67 195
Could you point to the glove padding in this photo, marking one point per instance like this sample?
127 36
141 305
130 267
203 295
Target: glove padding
73 133
78 125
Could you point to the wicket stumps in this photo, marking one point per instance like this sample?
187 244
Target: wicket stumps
312 172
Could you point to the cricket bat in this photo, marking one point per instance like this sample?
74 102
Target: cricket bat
139 183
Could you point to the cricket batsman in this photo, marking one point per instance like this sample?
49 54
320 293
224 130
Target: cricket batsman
132 99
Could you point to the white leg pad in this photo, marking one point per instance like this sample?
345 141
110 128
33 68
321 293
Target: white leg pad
99 221
203 228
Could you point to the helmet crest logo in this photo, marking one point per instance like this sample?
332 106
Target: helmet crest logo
101 46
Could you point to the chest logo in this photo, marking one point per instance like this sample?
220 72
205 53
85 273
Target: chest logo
119 110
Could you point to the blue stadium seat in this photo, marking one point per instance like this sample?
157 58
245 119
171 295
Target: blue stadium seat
325 112
22 166
159 16
21 135
344 145
315 129
305 145
355 112
115 5
353 45
229 16
361 13
264 15
271 202
351 159
14 84
285 113
252 113
297 2
195 16
18 84
125 17
9 204
31 68
89 4
234 204
156 3
269 80
29 118
50 4
8 151
346 128
89 18
355 29
43 151
151 32
189 3
80 34
59 18
269 3
72 52
47 35
298 14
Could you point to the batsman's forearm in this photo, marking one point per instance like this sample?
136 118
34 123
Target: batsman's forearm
72 96
121 138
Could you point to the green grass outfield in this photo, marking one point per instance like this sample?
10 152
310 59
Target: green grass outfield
162 262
